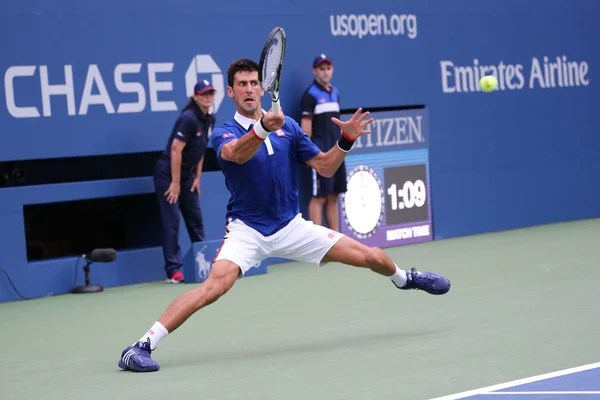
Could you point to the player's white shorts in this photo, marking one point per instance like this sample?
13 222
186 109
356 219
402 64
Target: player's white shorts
300 240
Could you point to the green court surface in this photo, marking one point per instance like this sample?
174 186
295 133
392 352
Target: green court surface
523 303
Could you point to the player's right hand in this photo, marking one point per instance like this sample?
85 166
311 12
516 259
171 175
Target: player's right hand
273 122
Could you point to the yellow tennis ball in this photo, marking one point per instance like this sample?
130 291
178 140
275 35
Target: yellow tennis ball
488 83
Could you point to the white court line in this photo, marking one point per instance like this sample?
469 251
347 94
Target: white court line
518 382
519 393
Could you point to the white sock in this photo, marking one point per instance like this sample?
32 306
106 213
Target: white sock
156 333
399 278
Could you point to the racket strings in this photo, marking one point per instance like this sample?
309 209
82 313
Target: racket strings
272 62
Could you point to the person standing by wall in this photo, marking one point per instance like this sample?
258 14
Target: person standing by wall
177 176
321 102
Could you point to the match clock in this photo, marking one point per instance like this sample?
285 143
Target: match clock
363 204
407 194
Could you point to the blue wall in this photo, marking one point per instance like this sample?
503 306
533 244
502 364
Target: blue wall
523 155
55 276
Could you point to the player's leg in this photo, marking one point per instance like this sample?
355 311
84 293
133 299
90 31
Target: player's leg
351 252
242 249
304 241
222 277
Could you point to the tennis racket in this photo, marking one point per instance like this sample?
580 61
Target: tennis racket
271 61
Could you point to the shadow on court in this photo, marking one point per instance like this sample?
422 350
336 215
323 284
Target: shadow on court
311 345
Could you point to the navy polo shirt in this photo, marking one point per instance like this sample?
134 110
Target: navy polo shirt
264 190
192 127
321 105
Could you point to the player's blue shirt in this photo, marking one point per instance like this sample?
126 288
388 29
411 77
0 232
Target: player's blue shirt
264 190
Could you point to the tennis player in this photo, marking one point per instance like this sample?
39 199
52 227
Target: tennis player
259 152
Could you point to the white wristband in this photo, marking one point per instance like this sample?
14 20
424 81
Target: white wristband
260 131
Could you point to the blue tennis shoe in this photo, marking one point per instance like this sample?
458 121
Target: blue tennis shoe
137 358
429 282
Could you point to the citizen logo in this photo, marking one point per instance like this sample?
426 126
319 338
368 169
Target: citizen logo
393 131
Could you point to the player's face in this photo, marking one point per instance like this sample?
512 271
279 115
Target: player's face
246 92
205 100
323 73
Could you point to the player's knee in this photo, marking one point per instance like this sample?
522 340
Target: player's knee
219 288
212 292
373 256
366 257
212 289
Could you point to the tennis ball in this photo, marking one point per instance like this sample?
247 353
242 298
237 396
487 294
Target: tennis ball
488 83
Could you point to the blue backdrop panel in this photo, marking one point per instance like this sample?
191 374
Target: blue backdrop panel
197 262
83 79
56 276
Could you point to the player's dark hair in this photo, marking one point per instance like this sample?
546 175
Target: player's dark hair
241 65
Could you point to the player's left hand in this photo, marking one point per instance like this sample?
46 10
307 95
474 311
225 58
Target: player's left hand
354 127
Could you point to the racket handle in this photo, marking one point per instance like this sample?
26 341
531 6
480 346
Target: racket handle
276 107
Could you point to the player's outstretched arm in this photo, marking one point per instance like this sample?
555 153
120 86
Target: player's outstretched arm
327 163
241 150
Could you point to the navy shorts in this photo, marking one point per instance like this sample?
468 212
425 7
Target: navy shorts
322 186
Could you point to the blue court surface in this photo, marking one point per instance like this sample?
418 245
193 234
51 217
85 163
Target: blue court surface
579 383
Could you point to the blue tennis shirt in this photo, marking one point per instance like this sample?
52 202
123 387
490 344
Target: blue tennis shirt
264 190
